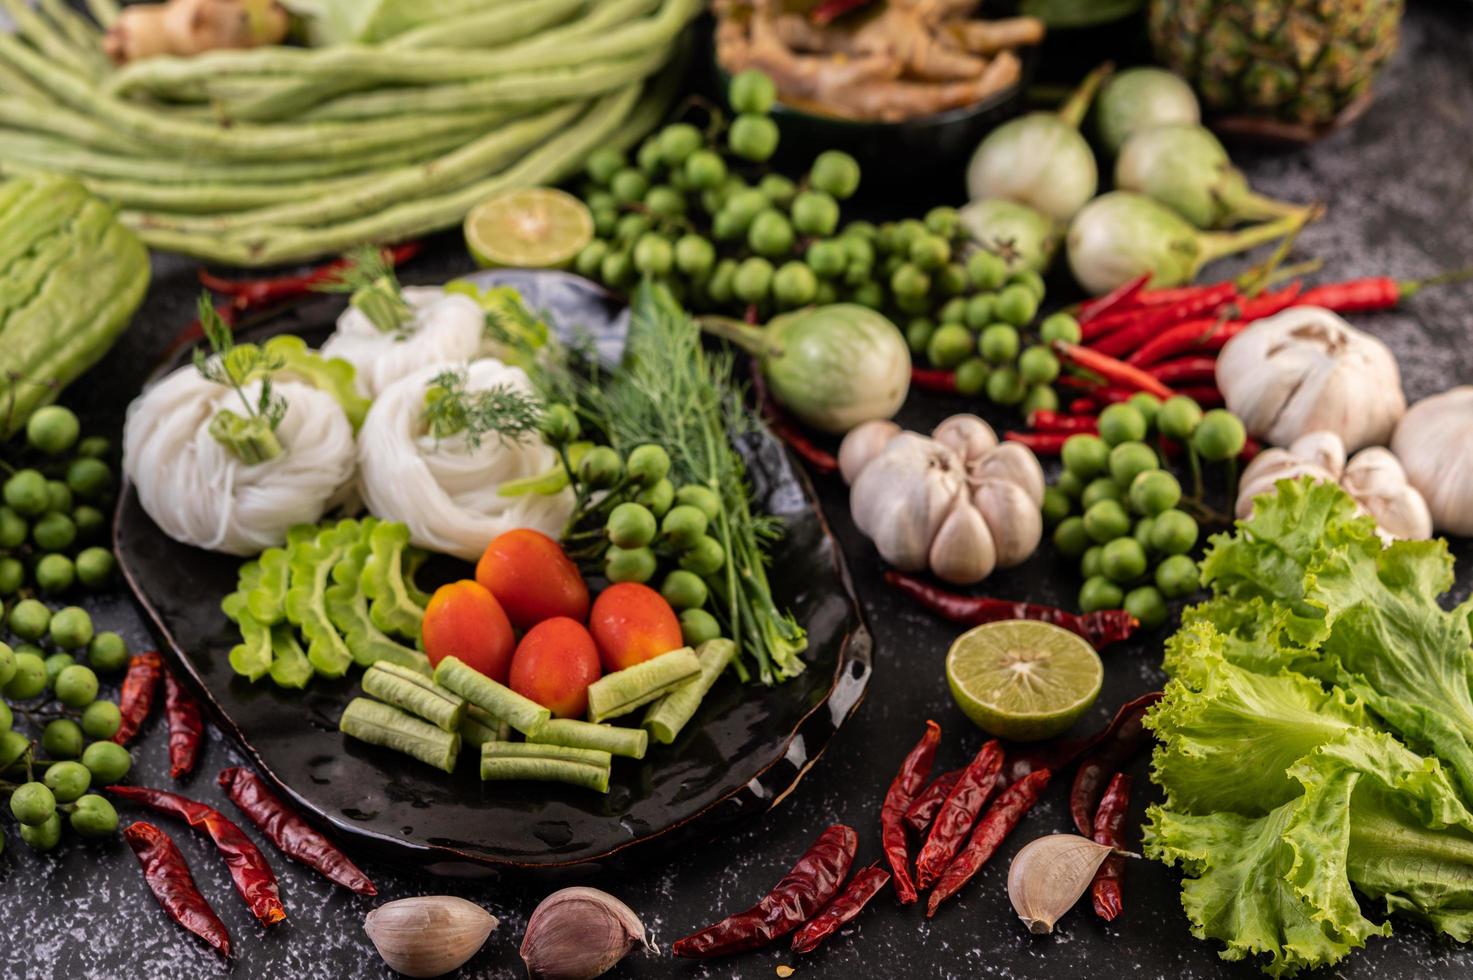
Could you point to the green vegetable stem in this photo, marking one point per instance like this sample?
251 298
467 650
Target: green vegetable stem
387 726
497 700
415 693
625 690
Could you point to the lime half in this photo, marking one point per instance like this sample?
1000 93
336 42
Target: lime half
532 228
1023 680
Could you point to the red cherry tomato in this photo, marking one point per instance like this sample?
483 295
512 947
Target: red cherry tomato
632 623
533 580
554 664
466 622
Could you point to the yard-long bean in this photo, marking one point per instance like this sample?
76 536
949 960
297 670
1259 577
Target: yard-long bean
490 28
47 38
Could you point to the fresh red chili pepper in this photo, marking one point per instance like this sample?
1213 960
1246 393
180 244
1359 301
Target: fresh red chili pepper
1121 297
1114 371
811 885
830 10
136 699
856 895
1144 324
168 877
1100 628
1083 406
934 379
1267 304
1110 831
1374 292
1221 334
292 835
1186 370
1060 753
1011 807
1176 340
958 813
1044 420
1110 755
925 806
898 798
253 877
1042 443
782 427
1205 395
186 727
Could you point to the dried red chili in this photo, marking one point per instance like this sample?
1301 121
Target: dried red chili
292 835
169 879
1110 831
1060 753
253 877
1126 736
925 806
999 820
186 727
958 813
856 895
812 884
898 798
1100 628
136 699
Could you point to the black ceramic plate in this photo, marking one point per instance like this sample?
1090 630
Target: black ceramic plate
742 754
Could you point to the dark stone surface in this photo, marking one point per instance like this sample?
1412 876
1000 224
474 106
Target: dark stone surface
1400 190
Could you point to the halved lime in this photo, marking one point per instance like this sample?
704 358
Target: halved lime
531 228
1023 680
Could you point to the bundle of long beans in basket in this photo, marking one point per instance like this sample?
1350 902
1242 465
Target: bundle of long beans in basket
282 153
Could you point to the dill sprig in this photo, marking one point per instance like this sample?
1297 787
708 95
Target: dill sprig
234 366
451 410
368 276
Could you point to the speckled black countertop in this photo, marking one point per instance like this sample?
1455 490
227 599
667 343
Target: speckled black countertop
1399 186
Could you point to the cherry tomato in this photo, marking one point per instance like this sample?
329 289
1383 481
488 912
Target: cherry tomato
554 664
533 580
631 623
465 621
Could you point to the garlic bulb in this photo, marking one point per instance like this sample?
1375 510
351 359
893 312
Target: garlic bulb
1049 875
1305 370
579 934
957 503
430 935
1373 477
1434 442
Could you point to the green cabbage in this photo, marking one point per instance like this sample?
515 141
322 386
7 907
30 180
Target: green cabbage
1317 737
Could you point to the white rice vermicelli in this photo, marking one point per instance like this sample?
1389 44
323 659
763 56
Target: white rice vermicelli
445 489
446 327
200 493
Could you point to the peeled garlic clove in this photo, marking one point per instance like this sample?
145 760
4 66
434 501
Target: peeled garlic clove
1375 479
863 443
966 435
430 935
1011 462
963 552
1322 448
578 934
1049 874
1013 518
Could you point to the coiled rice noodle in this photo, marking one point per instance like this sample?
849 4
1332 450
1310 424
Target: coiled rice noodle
446 327
200 493
445 489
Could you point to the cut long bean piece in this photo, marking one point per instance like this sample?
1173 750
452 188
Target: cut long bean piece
666 717
523 714
478 726
633 687
535 750
414 693
495 766
387 726
631 743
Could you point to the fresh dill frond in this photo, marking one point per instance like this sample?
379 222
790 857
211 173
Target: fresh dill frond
235 366
368 276
511 415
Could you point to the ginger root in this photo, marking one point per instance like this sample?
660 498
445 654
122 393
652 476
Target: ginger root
190 27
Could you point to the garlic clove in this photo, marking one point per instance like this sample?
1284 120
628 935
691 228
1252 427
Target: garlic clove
1322 448
1011 462
1049 875
1013 518
1263 478
1375 478
863 443
580 933
430 935
966 435
1434 443
963 551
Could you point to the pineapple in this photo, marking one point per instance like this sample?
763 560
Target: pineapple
1302 62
